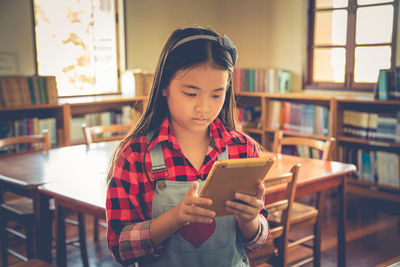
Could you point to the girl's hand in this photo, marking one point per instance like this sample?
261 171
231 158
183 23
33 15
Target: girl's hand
189 210
247 211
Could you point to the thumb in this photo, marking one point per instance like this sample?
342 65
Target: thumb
260 191
193 190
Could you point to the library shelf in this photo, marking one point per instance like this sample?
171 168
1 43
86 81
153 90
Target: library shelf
373 143
360 140
271 104
345 143
372 190
93 104
66 109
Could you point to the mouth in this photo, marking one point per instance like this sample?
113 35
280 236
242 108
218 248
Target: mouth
200 120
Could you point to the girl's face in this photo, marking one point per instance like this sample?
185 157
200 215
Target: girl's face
195 98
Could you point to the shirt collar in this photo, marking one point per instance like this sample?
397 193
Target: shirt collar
218 134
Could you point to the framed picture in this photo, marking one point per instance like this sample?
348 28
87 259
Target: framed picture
8 64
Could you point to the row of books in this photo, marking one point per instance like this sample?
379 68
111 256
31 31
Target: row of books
388 84
302 151
378 167
125 116
27 90
298 117
262 80
28 126
372 126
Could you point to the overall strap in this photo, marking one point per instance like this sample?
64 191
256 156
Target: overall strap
157 157
224 154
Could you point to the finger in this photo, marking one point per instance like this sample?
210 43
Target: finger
198 201
198 211
241 214
242 208
246 199
260 191
193 189
200 219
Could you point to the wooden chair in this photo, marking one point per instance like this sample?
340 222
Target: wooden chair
89 134
43 139
325 146
304 215
20 210
275 250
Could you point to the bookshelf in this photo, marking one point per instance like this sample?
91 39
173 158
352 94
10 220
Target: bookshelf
352 148
81 106
61 114
273 108
367 137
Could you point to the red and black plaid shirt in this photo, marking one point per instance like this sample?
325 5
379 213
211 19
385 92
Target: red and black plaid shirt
130 194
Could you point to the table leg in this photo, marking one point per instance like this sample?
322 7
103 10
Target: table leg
317 228
60 238
43 225
342 222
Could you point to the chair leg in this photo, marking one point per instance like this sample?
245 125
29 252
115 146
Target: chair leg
317 229
4 240
95 229
82 239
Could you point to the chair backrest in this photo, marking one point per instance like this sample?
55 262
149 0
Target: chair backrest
325 146
279 233
90 132
43 139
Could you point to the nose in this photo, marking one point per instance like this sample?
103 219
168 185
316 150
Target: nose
202 105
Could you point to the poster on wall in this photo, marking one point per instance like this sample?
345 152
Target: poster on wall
8 64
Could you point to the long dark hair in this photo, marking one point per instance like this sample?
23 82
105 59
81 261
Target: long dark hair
184 56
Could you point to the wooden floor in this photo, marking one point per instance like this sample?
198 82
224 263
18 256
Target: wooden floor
373 237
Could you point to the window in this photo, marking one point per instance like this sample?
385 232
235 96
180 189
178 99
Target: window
349 41
76 42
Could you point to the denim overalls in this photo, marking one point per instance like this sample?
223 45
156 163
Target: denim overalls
223 248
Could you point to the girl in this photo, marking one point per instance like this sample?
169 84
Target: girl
154 214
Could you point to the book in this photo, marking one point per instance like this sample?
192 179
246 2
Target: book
383 84
285 81
395 92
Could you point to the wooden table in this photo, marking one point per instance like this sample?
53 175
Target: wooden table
314 176
24 173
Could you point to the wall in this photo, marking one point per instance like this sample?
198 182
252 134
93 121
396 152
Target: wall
246 25
267 33
149 23
16 33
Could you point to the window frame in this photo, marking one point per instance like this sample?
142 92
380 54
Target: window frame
348 84
120 31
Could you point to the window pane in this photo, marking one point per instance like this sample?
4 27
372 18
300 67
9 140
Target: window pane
331 3
330 27
374 24
76 42
367 2
368 61
329 64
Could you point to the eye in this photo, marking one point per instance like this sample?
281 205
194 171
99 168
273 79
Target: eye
190 94
216 96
